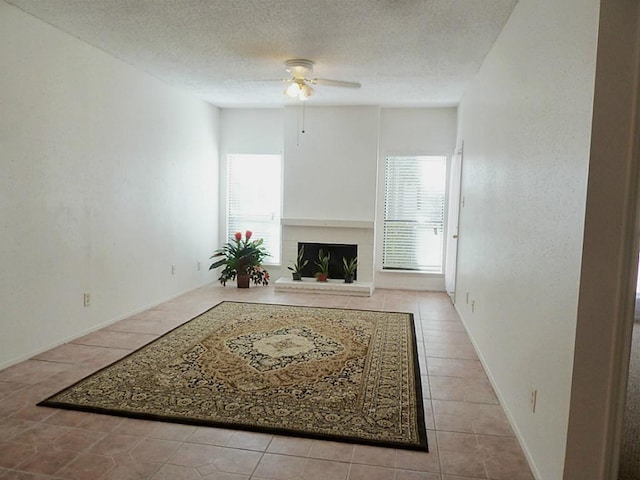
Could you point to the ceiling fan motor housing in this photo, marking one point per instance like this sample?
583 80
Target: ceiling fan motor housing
299 68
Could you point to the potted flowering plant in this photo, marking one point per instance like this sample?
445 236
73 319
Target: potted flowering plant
242 259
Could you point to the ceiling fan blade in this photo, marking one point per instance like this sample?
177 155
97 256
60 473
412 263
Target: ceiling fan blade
334 83
281 80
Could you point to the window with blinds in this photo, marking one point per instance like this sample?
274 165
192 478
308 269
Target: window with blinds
414 201
254 199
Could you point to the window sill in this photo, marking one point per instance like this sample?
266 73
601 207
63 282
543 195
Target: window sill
420 273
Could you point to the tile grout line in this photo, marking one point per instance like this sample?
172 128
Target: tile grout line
433 414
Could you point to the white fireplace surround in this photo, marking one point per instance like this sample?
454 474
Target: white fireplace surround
357 232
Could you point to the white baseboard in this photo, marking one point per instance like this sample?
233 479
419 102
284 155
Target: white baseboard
514 427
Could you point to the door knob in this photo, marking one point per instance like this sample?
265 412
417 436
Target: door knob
455 236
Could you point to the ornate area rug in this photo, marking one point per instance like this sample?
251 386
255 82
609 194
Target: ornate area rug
335 374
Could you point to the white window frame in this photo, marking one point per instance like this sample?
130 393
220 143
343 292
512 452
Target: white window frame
271 219
419 226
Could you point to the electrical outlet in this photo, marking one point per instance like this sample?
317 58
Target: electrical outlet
198 266
87 300
533 398
173 269
473 306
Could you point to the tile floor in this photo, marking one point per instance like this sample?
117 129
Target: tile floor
469 436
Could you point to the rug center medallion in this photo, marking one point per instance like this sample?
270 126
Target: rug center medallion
267 351
288 345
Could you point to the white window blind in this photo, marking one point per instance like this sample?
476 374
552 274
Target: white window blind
254 199
414 200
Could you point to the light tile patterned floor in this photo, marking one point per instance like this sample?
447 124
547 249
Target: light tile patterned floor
469 436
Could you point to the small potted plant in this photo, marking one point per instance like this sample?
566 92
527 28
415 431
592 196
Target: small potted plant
242 259
323 265
349 268
298 265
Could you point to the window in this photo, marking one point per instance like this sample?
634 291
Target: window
414 199
253 199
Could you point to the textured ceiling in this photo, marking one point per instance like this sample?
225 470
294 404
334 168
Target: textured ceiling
403 52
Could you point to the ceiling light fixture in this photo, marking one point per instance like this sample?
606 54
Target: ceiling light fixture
305 92
299 89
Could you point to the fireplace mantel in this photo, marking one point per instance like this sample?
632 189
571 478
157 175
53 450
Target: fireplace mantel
314 222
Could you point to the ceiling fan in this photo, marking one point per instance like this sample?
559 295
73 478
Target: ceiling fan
300 81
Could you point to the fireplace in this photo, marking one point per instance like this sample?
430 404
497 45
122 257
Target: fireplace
358 234
337 251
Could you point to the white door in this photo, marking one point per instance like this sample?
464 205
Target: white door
453 215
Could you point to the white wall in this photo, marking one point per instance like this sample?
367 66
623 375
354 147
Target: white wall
246 131
332 165
329 166
411 131
109 177
525 122
251 130
330 175
331 171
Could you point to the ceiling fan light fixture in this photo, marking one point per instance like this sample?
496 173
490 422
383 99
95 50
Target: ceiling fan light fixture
299 89
300 70
305 92
292 90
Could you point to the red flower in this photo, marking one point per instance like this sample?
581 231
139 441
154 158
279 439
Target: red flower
248 234
238 236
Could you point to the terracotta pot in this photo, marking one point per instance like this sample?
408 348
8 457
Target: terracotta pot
243 281
322 277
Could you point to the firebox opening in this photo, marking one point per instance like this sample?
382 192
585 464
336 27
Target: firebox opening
338 251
